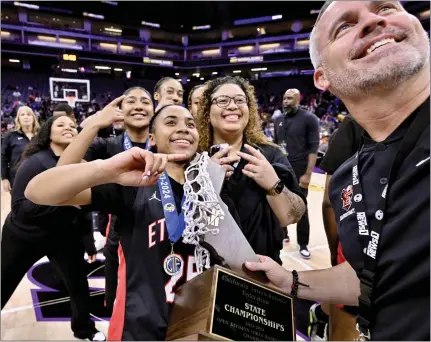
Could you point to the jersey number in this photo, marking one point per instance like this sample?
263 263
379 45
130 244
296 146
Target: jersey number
191 273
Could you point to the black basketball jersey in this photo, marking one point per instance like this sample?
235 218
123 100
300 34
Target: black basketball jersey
145 291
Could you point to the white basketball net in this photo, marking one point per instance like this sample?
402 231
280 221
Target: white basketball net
201 208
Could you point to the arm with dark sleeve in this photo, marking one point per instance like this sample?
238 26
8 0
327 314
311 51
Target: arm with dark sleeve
289 205
5 157
275 130
313 140
21 206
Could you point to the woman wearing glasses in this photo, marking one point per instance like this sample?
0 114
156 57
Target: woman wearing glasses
261 182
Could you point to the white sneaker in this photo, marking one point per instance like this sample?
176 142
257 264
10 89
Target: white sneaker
99 241
303 250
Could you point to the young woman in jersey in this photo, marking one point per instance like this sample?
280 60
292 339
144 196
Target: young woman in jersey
128 186
195 97
228 115
169 90
136 109
33 231
14 143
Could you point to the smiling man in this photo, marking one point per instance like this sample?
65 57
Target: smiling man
375 57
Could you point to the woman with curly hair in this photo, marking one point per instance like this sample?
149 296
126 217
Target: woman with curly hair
33 231
14 143
260 179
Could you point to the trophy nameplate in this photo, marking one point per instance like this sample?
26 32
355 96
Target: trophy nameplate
230 302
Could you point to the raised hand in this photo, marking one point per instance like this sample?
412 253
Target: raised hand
259 168
111 113
222 159
139 167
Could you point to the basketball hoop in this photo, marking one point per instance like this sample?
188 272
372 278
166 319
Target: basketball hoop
71 100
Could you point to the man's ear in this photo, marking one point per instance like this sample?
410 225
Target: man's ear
320 80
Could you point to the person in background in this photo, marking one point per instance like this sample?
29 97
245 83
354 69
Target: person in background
170 90
297 132
261 181
33 231
375 57
195 97
343 144
14 143
135 108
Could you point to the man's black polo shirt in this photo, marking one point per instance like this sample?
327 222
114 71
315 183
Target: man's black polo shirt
402 294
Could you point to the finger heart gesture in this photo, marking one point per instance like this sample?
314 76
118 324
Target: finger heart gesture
258 168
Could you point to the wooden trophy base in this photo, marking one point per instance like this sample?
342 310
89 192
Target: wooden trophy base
220 305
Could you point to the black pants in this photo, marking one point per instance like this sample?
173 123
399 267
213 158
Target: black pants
66 255
110 252
303 226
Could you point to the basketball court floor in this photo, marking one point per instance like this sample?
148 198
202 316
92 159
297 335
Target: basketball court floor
39 308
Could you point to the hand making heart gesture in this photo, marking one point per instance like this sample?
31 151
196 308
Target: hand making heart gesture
259 168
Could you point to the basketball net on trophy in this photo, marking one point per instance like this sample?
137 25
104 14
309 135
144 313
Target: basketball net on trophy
202 209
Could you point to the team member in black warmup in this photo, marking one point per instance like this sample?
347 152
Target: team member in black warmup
343 144
169 90
128 186
263 186
136 109
297 132
375 57
33 231
195 97
14 143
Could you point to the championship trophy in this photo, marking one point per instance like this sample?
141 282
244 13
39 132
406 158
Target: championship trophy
225 301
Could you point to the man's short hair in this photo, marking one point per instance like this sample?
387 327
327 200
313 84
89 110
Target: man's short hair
63 108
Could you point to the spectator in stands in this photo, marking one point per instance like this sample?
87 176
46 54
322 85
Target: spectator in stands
194 98
297 132
261 182
170 90
14 143
64 109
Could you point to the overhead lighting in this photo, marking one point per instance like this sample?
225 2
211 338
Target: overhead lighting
247 48
179 80
237 71
108 46
177 74
22 4
67 40
47 38
14 60
259 69
203 27
5 34
196 74
92 15
303 43
276 17
201 78
113 3
269 46
126 47
111 29
214 72
424 14
54 44
156 51
313 11
72 71
211 52
101 67
146 23
188 80
118 69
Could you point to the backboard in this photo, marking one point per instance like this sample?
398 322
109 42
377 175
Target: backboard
60 88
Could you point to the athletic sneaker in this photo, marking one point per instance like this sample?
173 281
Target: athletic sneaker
286 240
97 336
99 241
303 250
318 327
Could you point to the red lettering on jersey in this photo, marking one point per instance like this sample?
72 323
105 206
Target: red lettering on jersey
151 233
162 229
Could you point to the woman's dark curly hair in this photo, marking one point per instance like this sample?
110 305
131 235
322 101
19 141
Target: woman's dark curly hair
253 131
41 141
